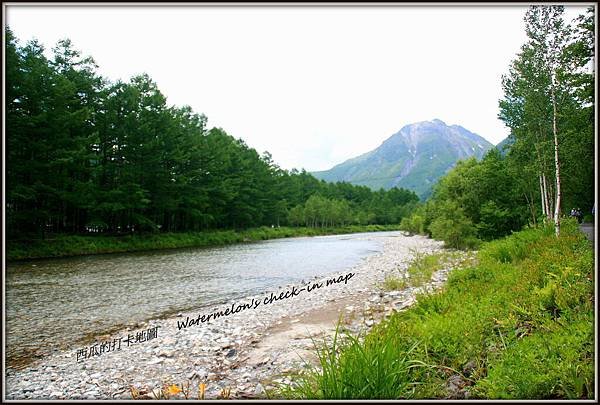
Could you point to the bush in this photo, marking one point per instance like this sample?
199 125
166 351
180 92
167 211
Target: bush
453 227
415 224
394 283
494 222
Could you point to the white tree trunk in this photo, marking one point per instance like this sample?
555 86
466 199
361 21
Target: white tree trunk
546 199
556 165
542 198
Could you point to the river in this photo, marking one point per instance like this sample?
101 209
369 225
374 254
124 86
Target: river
59 303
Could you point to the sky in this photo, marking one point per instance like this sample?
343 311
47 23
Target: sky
314 86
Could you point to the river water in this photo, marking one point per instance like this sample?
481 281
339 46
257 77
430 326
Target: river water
60 303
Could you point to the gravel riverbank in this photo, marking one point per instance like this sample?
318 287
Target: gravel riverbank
246 351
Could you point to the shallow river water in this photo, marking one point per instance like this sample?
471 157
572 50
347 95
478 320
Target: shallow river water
58 303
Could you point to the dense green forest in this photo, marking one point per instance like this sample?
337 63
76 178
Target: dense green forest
85 155
548 166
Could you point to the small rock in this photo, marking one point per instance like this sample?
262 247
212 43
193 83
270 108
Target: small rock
455 386
259 390
166 353
469 368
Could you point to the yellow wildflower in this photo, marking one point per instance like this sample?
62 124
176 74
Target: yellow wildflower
201 389
173 389
134 392
225 392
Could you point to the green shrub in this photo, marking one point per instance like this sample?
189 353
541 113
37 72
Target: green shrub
451 225
415 224
377 367
547 365
494 221
457 232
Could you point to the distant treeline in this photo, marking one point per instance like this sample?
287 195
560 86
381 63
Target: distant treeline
87 155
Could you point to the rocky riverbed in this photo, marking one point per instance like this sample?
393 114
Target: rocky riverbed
239 355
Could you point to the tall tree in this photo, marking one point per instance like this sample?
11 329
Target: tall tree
549 37
539 102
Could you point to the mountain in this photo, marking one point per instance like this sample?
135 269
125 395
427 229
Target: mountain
505 144
414 158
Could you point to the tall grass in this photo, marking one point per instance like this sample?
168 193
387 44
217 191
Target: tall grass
517 325
385 369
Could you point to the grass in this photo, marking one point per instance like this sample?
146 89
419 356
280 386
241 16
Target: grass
383 374
394 283
73 245
517 324
423 267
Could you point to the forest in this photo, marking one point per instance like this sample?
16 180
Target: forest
88 156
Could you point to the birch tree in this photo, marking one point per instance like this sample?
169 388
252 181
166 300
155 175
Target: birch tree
534 92
549 39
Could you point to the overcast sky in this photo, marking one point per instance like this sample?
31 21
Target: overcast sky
313 86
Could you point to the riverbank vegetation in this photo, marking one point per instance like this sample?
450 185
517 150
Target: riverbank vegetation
519 324
73 245
548 105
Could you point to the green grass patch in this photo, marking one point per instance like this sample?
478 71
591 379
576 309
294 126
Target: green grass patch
384 371
394 283
73 245
518 323
422 268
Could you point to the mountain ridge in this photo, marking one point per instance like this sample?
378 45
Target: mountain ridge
415 157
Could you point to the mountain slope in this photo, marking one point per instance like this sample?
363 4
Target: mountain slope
414 158
505 144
